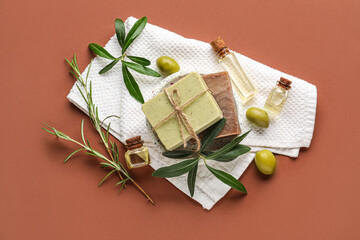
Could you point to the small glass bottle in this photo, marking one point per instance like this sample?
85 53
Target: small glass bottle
277 97
228 60
137 155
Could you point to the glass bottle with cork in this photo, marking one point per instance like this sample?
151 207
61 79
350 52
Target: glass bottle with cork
228 60
277 97
137 155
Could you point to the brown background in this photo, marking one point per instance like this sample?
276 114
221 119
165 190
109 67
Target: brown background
315 196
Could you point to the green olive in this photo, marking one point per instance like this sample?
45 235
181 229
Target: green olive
265 161
258 117
167 65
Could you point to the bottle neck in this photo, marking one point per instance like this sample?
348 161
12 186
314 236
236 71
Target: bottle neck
223 52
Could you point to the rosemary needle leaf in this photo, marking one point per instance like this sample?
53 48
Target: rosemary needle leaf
107 132
100 51
141 69
47 125
211 133
88 144
104 165
122 184
122 181
108 67
46 130
106 177
90 91
134 33
82 94
140 60
227 179
120 31
92 154
131 85
82 131
108 118
88 71
73 154
191 179
176 169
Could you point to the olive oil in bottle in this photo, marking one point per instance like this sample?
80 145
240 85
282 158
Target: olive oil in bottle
137 155
277 97
228 60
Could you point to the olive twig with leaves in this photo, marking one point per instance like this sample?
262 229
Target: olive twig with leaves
138 64
226 154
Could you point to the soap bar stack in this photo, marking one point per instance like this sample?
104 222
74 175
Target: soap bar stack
201 110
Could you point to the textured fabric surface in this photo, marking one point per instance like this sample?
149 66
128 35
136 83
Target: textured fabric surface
287 133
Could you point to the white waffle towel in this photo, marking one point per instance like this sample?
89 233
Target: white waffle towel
287 133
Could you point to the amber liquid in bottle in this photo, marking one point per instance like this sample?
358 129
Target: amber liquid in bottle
239 79
137 158
137 155
277 97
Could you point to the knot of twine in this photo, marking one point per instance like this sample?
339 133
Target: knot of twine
181 117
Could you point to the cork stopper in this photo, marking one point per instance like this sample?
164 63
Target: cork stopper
284 83
134 142
219 46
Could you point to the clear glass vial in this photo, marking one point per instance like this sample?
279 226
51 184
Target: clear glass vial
277 97
228 60
137 155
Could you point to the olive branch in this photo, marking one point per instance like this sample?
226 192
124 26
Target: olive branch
226 154
138 64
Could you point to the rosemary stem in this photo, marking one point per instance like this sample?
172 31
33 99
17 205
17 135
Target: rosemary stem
98 128
112 158
143 192
93 115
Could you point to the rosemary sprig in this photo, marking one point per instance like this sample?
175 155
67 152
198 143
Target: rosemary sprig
114 164
139 63
226 154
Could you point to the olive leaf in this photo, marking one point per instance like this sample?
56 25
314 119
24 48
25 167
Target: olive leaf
177 154
131 85
108 67
227 179
228 146
176 169
232 154
120 31
211 133
140 60
191 179
100 51
134 32
141 69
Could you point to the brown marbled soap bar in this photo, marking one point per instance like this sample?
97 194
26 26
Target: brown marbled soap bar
220 85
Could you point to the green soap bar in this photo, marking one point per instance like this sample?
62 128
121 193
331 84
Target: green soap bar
202 112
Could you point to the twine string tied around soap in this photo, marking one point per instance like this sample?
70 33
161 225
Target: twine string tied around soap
181 117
